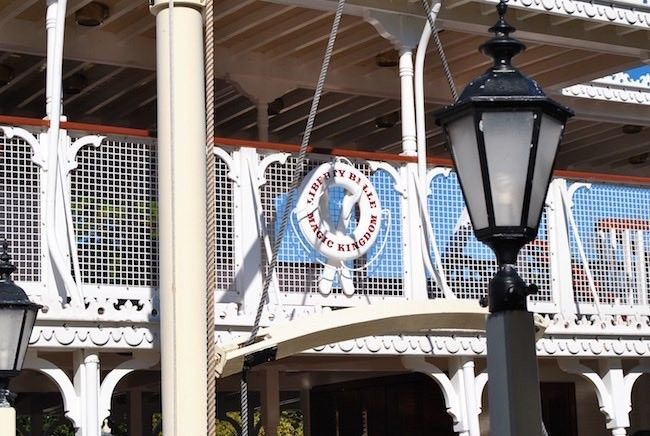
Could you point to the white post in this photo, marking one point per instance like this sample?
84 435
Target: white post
182 214
614 381
469 384
86 385
406 72
271 402
559 251
7 421
513 394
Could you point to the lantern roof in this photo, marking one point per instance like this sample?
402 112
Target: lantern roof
503 84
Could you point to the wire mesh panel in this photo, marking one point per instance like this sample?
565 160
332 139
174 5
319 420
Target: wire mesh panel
468 265
613 227
379 273
20 208
224 234
114 207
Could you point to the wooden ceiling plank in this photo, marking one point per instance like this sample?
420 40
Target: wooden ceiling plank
344 41
94 85
333 116
15 8
358 55
119 10
299 113
137 28
75 5
313 36
223 8
603 150
38 65
81 66
237 27
233 110
123 91
341 132
295 24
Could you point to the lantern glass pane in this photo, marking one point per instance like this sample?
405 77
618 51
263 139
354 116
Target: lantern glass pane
11 320
462 137
508 137
549 139
30 319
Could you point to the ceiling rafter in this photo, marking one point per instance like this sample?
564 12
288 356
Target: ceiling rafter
75 5
295 24
94 85
38 65
138 28
224 8
81 66
123 91
311 37
15 8
237 27
119 10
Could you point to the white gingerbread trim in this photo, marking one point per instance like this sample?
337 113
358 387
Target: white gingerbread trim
622 13
71 403
97 336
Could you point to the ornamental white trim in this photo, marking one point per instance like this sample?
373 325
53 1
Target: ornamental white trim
621 13
620 88
97 336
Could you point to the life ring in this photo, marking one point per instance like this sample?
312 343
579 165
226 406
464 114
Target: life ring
312 211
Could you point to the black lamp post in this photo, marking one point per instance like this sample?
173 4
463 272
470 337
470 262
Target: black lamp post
504 134
17 317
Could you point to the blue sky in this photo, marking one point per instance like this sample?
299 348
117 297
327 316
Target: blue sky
637 72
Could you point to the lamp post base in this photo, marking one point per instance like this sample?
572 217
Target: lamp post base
513 384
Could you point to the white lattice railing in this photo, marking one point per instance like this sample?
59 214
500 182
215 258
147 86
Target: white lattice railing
591 255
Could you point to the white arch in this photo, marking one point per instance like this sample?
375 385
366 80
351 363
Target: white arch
71 403
139 361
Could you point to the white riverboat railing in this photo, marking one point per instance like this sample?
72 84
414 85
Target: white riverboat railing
591 255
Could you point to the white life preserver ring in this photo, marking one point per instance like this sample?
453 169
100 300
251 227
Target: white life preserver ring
332 239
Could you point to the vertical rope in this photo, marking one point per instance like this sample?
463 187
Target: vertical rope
211 278
295 181
440 50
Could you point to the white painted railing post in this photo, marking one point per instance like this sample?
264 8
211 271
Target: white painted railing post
248 247
559 250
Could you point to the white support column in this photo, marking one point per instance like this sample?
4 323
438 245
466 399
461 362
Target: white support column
86 385
271 402
464 381
515 406
406 73
614 380
182 214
